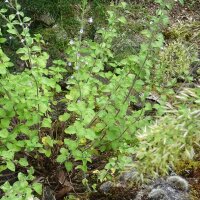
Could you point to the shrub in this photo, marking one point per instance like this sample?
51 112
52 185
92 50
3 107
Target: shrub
25 100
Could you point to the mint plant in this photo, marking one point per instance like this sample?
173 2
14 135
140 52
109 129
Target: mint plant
101 91
21 189
25 97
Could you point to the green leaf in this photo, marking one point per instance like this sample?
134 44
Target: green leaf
5 123
10 165
64 117
3 67
2 40
6 186
37 187
29 41
48 141
46 123
11 17
138 85
36 48
26 19
90 134
12 31
61 158
72 145
18 6
70 130
23 162
2 168
3 71
22 51
3 10
122 20
68 166
7 155
47 152
3 133
123 4
146 33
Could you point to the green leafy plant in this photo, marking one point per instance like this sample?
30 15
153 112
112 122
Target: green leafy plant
21 189
24 98
101 91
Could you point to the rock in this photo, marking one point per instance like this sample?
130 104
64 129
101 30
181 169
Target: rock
178 182
106 187
128 176
158 194
47 19
143 192
60 33
173 188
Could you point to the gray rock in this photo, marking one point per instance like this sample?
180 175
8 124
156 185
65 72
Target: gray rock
173 188
158 194
47 19
60 33
106 187
178 182
128 176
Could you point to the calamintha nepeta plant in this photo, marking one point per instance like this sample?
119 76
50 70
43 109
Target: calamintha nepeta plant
102 90
25 99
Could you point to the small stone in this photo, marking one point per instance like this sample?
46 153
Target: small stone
106 187
47 18
158 194
178 182
128 176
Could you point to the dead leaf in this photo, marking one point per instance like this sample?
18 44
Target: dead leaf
66 185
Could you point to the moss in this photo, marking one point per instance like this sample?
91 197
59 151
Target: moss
158 194
178 182
175 61
183 166
189 31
